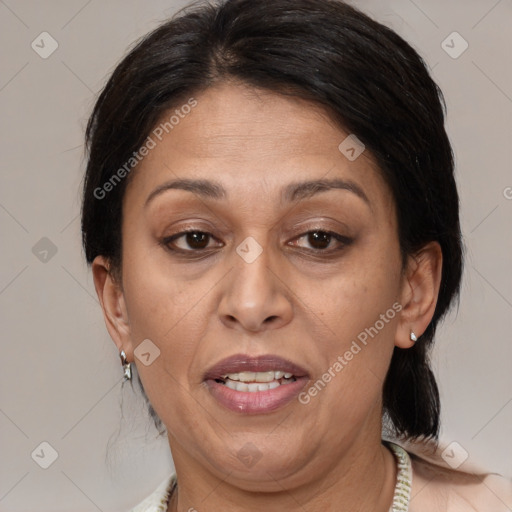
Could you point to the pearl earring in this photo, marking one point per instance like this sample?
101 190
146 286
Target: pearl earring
413 337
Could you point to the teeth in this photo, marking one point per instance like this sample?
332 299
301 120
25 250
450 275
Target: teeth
257 376
252 387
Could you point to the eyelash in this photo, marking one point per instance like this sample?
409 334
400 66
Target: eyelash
345 241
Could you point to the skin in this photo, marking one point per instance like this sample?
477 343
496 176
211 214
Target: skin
302 306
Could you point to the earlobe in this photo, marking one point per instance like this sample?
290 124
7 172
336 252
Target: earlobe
420 290
112 302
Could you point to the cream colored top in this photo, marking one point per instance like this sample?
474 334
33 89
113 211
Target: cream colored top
436 487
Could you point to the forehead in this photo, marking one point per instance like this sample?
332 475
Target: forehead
237 121
248 138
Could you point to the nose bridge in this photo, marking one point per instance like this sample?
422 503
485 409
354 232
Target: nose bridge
252 278
254 298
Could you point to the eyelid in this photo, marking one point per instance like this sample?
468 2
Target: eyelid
320 223
326 225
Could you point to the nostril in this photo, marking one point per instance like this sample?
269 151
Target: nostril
270 319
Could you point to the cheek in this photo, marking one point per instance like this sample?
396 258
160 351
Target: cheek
170 312
174 320
158 298
359 310
366 287
355 358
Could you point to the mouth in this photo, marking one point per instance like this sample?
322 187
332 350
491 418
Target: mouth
255 385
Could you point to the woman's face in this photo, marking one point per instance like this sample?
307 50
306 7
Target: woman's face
260 278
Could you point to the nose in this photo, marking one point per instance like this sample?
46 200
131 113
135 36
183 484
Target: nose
255 297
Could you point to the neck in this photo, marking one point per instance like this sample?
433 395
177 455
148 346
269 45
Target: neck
363 479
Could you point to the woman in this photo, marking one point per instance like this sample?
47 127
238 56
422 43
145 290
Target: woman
271 218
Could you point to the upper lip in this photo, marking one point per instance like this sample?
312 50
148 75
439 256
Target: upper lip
245 363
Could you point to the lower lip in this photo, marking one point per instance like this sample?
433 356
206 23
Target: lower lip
257 402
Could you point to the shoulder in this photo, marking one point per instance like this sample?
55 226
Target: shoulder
157 500
438 487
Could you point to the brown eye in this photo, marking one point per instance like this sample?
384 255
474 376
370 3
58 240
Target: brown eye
197 240
189 241
319 239
322 241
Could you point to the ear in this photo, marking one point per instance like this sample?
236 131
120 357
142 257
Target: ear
112 302
420 289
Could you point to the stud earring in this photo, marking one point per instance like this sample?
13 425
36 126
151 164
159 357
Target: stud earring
413 337
127 367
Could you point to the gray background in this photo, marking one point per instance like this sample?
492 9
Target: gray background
60 377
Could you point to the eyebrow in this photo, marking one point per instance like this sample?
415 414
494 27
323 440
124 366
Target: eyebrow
291 193
204 188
